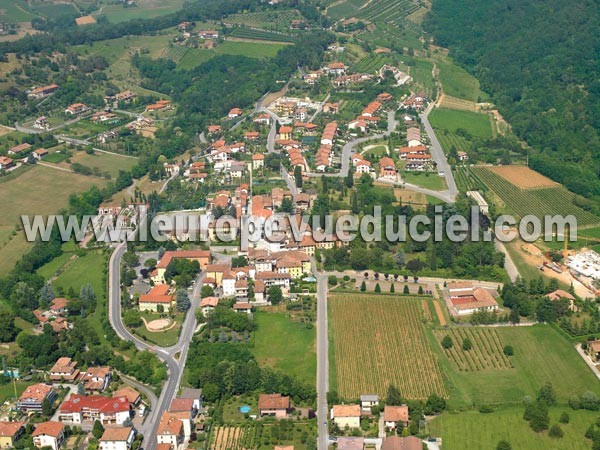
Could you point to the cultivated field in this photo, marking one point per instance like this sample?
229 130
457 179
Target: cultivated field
378 341
234 438
458 83
449 140
476 124
105 162
466 180
457 103
406 197
392 11
277 20
344 9
539 202
15 11
541 354
260 35
487 351
144 9
474 430
523 177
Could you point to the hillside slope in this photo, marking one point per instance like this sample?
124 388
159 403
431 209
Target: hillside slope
539 61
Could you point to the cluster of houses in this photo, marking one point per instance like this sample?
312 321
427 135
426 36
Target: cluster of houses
21 153
54 315
115 411
369 116
415 153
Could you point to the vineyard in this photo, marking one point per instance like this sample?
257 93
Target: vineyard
457 103
466 180
380 340
175 53
236 438
260 35
487 351
345 9
449 139
275 20
539 202
387 10
373 62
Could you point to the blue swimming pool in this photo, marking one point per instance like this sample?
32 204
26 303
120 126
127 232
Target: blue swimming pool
245 409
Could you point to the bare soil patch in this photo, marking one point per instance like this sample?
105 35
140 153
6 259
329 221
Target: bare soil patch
523 177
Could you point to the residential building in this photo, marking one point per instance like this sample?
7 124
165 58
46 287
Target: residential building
44 91
158 297
19 150
235 112
368 401
79 409
76 109
275 405
9 433
131 394
593 349
346 416
208 304
466 299
64 370
49 434
258 161
194 394
402 443
387 168
117 438
350 443
6 163
560 294
170 430
32 399
392 415
96 378
202 256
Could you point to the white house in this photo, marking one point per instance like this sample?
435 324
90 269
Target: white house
49 434
368 401
346 416
117 438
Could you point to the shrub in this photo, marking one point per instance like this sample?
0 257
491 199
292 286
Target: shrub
447 342
555 432
564 418
508 350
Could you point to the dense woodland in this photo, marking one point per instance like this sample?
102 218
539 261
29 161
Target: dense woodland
539 61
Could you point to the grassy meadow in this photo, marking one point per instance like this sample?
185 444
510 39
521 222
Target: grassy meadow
476 124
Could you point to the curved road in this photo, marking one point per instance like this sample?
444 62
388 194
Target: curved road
174 357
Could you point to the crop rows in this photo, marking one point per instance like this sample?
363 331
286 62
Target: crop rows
487 352
388 10
372 62
466 180
266 19
235 438
539 202
263 35
449 139
380 340
175 53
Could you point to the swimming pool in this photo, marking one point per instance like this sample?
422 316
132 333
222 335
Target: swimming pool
245 409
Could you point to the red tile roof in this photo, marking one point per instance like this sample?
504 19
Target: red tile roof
53 429
273 401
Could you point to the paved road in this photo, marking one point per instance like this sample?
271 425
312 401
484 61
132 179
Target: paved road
350 148
438 155
509 265
322 358
175 366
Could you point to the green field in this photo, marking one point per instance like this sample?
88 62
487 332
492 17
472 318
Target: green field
391 11
459 83
420 71
269 20
466 180
164 338
15 11
260 35
427 180
85 269
294 355
477 431
21 195
541 354
250 49
448 140
7 392
55 10
145 9
105 162
539 202
476 124
344 9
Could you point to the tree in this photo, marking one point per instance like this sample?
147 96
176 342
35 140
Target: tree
182 299
555 431
131 259
377 288
508 350
207 291
434 404
150 263
46 295
363 286
393 397
406 290
564 418
514 316
420 292
275 295
332 280
298 176
547 394
467 344
46 408
503 445
97 429
392 288
447 342
349 179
